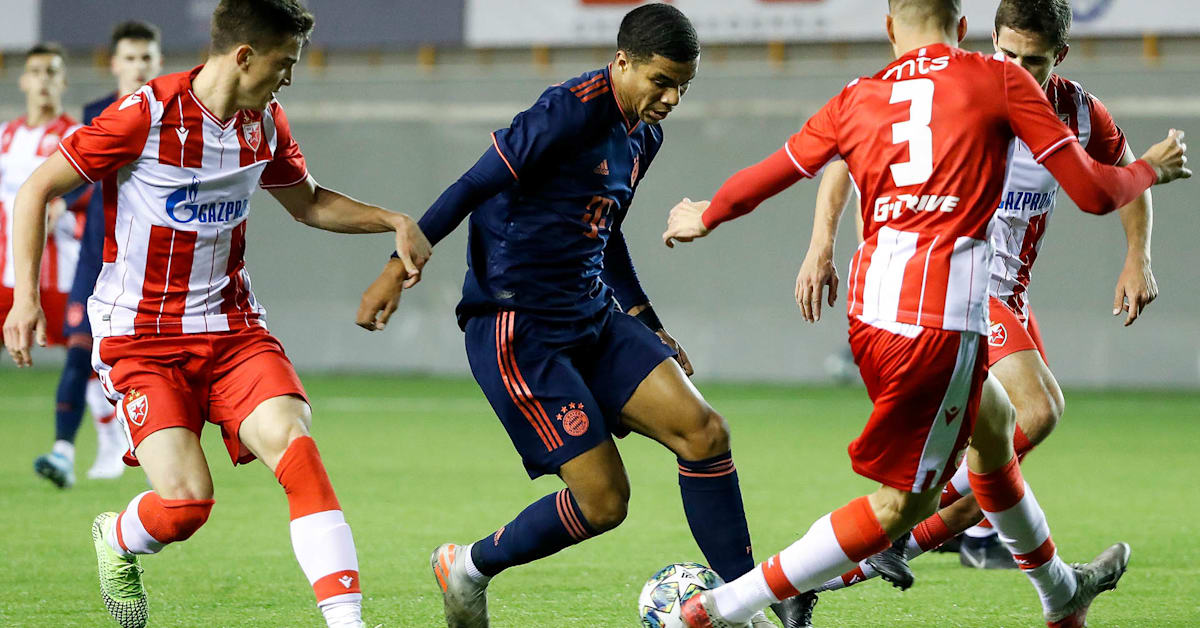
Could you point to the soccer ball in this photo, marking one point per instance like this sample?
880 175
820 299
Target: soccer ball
665 592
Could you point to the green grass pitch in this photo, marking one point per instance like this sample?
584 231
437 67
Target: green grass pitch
420 461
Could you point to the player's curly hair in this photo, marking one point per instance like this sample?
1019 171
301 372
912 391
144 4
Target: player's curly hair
260 23
1051 19
658 29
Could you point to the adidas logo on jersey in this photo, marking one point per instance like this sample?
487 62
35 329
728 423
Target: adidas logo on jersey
602 169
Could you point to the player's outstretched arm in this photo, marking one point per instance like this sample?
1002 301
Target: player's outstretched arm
329 210
1136 287
818 269
26 322
738 196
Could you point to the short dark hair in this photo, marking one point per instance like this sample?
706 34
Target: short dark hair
133 29
945 12
1050 19
658 29
45 48
258 23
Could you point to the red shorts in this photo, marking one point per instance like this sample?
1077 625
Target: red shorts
1010 332
54 304
926 391
184 380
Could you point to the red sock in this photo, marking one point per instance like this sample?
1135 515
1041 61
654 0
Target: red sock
151 522
932 532
321 539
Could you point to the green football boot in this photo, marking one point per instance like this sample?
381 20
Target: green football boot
120 577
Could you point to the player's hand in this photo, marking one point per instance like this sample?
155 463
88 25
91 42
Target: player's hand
382 297
817 272
1169 158
682 357
684 223
413 248
25 323
1136 289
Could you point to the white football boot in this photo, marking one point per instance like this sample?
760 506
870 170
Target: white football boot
464 599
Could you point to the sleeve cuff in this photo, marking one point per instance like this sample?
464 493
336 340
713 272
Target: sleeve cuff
74 164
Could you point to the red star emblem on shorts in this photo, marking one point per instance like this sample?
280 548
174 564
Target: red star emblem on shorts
997 335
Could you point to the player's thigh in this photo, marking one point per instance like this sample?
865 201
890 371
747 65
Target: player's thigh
1033 390
153 382
926 386
255 379
175 465
667 408
272 426
634 376
536 391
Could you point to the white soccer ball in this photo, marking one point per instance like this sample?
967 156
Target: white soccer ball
666 591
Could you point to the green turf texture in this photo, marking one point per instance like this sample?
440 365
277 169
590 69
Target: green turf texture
417 462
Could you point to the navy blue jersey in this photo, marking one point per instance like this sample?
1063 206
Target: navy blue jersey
541 243
92 245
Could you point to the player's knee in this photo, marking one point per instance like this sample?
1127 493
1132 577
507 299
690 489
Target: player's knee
607 510
186 488
1043 417
899 511
709 437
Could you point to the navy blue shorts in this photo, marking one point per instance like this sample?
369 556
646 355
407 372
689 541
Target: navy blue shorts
559 387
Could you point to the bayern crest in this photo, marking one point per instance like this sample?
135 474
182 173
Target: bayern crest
137 407
574 419
252 131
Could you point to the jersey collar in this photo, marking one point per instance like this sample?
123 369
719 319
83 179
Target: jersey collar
630 128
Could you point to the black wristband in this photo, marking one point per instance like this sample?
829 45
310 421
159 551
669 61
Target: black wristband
649 318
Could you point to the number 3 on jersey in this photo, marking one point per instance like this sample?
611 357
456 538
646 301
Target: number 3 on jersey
915 132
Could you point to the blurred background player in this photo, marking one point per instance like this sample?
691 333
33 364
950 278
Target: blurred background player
24 144
565 366
136 58
1034 34
918 299
182 340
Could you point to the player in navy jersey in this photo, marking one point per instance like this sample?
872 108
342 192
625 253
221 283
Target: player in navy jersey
559 333
136 58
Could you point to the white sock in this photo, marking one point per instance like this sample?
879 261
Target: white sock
347 613
65 449
806 564
961 480
1023 529
980 532
839 582
133 533
324 547
473 571
97 402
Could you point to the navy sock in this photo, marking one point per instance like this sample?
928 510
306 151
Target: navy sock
712 502
550 524
72 388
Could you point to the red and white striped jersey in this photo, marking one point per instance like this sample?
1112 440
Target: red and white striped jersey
177 186
22 149
1030 191
926 141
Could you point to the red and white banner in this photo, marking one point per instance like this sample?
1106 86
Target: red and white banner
491 23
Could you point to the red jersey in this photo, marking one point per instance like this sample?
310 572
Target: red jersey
926 140
22 149
1031 192
177 186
